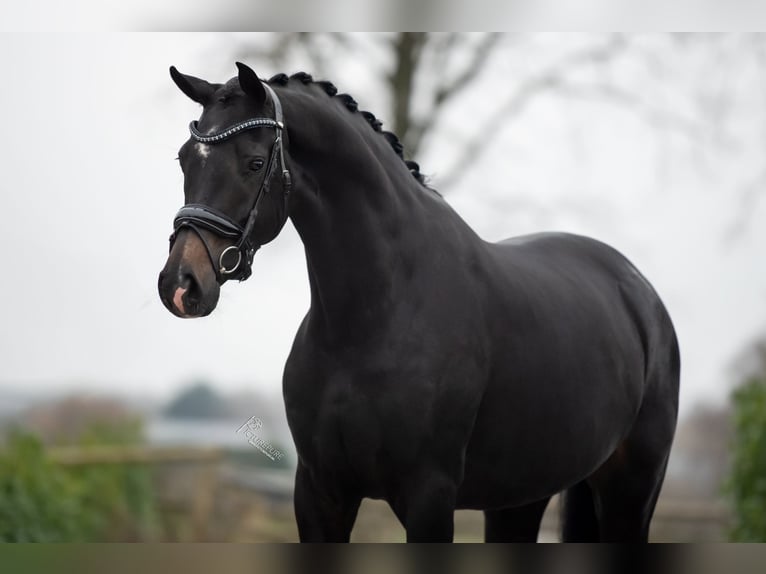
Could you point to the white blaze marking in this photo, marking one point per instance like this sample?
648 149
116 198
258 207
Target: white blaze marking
202 149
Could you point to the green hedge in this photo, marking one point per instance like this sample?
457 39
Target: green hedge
41 501
747 482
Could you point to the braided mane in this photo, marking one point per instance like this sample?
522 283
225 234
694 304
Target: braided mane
330 89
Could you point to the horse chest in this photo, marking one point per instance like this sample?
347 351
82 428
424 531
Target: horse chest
355 428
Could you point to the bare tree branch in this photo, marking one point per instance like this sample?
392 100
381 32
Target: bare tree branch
274 52
309 43
407 48
442 46
656 117
553 77
447 89
750 196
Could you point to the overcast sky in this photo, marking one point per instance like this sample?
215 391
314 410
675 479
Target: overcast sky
89 188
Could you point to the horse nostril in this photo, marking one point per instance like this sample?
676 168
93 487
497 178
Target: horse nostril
185 281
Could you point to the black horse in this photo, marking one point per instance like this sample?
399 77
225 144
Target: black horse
433 370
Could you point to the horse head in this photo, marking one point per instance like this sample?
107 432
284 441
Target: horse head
236 186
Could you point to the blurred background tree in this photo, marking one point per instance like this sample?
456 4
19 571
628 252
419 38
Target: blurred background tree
199 400
72 418
746 485
424 77
43 501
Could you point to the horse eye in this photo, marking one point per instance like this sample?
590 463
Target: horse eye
256 164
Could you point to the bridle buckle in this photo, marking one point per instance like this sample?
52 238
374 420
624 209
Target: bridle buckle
222 266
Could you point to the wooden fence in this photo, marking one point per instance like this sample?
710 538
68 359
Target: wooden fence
206 461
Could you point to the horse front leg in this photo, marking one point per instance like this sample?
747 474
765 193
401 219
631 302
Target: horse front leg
322 515
519 524
426 507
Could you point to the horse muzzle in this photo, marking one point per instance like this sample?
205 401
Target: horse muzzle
186 295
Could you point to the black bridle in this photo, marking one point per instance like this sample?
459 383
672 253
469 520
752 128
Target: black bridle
196 216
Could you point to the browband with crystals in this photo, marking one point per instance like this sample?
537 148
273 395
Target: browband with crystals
233 130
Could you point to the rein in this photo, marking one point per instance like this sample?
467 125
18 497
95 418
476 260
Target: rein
196 216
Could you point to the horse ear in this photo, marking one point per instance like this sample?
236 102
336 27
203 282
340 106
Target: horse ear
250 83
198 90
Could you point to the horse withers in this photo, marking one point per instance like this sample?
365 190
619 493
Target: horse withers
433 370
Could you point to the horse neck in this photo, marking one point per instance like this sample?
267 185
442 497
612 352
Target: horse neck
357 210
358 251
